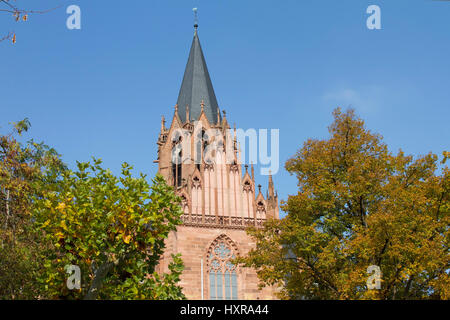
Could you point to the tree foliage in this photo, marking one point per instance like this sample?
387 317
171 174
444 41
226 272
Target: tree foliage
358 205
25 170
113 229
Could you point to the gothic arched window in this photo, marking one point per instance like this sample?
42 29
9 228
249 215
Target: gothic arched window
201 143
260 210
177 158
222 273
176 170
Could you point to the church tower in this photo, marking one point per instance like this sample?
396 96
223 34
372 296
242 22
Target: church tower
199 156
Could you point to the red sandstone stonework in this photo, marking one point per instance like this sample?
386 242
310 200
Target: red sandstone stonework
193 243
219 200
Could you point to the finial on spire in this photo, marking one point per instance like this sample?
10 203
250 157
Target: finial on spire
163 124
176 107
253 172
202 104
271 188
195 19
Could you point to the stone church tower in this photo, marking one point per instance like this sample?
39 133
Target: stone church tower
220 199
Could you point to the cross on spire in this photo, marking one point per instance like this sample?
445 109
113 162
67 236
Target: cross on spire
195 19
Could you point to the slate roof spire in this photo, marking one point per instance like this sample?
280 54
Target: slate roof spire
197 86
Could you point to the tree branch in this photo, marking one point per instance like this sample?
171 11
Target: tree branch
100 275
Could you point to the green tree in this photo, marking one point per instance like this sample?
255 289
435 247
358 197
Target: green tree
113 229
358 205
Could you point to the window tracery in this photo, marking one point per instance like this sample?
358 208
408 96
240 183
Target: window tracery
222 273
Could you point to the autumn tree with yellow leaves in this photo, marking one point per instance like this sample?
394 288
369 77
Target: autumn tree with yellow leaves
26 171
358 205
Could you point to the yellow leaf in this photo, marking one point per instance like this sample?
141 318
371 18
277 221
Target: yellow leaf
63 225
126 239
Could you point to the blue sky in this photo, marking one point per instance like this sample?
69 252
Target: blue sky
100 91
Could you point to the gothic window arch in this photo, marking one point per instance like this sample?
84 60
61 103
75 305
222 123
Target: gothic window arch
177 156
222 273
198 149
196 195
196 182
248 199
177 169
202 141
247 186
260 210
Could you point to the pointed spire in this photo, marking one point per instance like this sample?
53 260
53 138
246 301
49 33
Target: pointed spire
224 117
197 86
271 187
163 124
